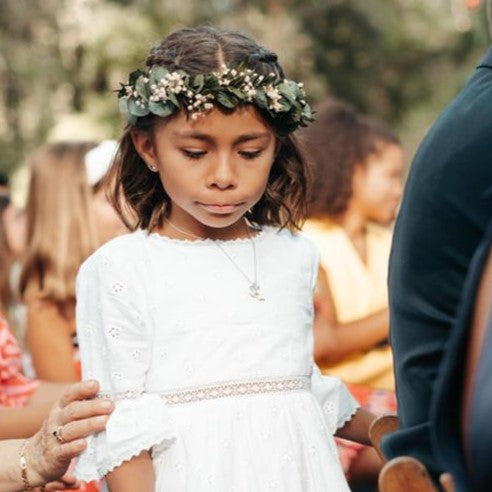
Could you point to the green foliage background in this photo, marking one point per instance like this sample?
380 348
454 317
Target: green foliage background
60 60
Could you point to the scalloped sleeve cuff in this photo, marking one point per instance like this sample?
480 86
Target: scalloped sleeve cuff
135 425
337 404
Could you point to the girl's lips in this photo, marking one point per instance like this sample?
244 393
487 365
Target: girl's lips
220 209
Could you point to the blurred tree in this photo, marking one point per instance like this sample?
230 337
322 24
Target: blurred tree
60 59
389 56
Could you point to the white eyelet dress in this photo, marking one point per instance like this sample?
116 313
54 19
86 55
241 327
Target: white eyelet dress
219 386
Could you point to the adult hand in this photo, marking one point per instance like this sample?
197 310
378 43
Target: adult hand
61 437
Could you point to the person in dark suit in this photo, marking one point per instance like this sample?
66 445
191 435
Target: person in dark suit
460 413
445 210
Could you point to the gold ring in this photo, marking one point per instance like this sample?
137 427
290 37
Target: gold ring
58 434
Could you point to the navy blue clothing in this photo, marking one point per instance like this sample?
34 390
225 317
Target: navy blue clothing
445 210
446 406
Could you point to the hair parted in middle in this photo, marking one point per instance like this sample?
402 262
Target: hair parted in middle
340 139
201 50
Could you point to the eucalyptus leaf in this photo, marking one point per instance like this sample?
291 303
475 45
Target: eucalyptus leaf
141 87
173 99
198 82
134 76
137 110
225 101
238 93
287 91
157 73
261 99
123 104
161 109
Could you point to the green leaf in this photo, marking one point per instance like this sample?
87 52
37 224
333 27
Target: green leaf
134 76
157 74
261 99
141 87
238 93
284 107
137 110
161 109
224 100
198 82
174 99
123 104
289 92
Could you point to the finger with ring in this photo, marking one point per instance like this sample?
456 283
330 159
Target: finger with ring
58 434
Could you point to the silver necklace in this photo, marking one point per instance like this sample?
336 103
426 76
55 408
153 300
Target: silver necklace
254 286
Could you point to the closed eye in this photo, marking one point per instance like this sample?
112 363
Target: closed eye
193 154
253 154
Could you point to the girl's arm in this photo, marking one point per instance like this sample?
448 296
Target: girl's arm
49 341
136 474
357 428
333 341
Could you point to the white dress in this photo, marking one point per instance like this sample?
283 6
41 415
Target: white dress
220 386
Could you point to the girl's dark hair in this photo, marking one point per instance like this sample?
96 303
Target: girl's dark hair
202 50
340 139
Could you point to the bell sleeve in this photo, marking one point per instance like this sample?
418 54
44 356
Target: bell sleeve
337 404
115 338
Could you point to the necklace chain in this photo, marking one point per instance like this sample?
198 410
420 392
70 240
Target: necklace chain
254 287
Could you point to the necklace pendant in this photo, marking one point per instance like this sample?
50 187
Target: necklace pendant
254 292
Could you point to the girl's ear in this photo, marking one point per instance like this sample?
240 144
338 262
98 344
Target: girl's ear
144 145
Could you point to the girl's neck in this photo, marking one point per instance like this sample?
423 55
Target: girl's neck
176 229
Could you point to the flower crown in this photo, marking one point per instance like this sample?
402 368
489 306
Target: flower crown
161 92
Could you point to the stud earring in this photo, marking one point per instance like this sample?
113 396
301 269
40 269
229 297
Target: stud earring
152 168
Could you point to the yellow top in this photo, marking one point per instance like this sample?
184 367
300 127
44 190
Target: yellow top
358 289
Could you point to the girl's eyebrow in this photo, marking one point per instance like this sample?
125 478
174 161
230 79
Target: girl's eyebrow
208 138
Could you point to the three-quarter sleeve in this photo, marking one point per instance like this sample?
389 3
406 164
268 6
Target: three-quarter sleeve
337 404
115 336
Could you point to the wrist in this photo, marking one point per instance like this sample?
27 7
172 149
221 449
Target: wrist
30 473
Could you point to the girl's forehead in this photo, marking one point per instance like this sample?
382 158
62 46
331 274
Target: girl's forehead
217 123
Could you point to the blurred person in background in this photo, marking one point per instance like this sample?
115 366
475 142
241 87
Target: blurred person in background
357 182
68 217
12 242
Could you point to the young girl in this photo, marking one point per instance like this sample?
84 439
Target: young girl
68 217
199 323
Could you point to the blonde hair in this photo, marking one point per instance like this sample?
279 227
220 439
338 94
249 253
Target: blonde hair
61 230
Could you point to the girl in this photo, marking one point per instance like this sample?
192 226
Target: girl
358 166
68 217
199 323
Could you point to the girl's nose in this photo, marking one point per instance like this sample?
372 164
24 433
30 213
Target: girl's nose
222 174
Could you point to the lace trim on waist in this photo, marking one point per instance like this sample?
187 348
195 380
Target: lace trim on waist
221 390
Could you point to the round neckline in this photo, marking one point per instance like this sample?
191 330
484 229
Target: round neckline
206 241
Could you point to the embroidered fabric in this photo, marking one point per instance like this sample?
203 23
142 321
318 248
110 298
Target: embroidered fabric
223 390
163 324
